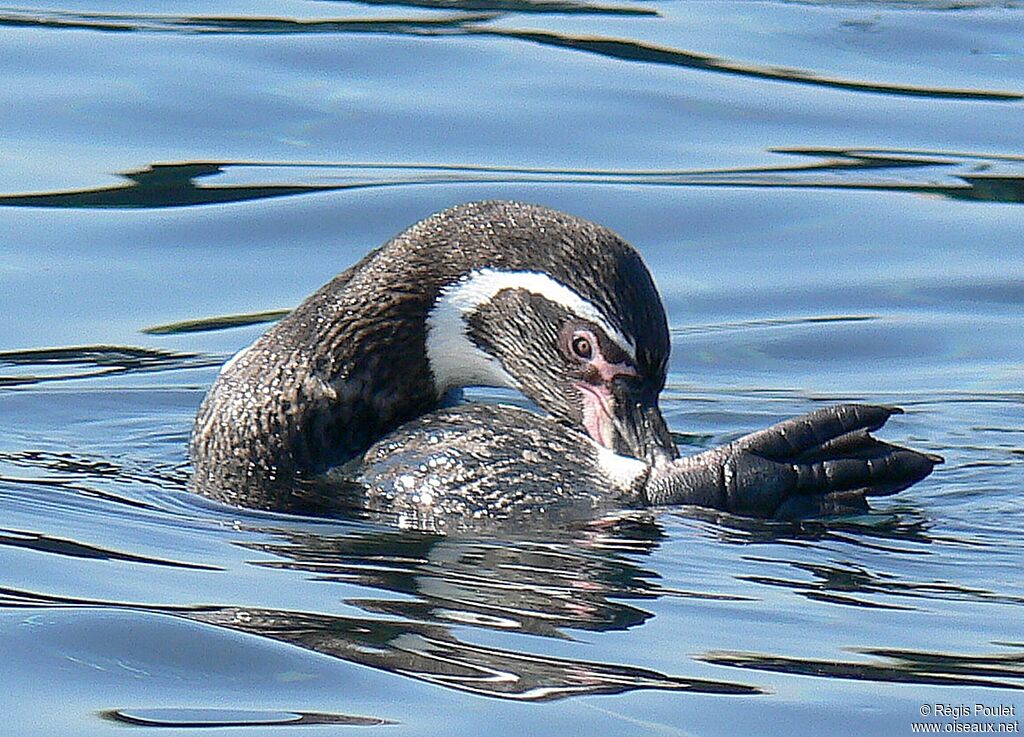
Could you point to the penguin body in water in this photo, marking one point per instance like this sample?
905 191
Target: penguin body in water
348 391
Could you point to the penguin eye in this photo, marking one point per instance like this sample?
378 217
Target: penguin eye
582 347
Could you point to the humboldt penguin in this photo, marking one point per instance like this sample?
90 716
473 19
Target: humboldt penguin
349 396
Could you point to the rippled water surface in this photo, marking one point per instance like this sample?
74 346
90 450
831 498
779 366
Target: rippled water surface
829 196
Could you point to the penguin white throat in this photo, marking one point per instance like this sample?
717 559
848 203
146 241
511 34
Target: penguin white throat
474 327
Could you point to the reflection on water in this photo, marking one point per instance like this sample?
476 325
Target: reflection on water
220 322
546 588
849 585
431 653
997 670
960 176
474 26
476 614
119 23
541 588
41 365
72 549
68 470
646 53
162 185
208 718
435 592
560 7
727 140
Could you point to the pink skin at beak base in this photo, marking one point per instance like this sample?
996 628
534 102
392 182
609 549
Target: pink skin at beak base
598 400
597 414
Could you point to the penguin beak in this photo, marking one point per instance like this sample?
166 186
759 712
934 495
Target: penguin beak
623 415
640 430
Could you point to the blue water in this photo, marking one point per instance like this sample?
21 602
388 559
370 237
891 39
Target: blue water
829 196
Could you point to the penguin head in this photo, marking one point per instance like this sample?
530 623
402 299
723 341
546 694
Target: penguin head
564 311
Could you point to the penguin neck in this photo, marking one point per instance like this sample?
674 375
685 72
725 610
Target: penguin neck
371 352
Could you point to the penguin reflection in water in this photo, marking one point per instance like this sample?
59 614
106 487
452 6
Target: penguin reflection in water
344 402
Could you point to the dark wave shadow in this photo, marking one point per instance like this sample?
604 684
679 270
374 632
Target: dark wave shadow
995 670
162 185
41 365
220 322
472 25
637 51
967 177
220 718
72 549
856 586
206 25
903 535
519 7
70 471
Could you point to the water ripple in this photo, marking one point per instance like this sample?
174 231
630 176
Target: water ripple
997 670
430 653
960 176
220 322
72 549
39 365
474 25
422 650
214 718
637 51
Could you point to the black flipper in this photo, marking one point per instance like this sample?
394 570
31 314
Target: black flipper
825 462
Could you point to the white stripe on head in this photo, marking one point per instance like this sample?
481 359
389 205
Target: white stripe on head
456 361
